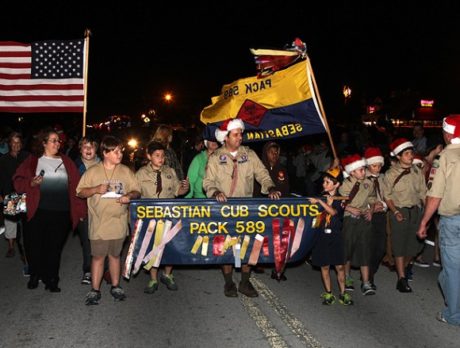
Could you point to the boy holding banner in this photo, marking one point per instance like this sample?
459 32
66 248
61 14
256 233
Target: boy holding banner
158 180
231 172
329 249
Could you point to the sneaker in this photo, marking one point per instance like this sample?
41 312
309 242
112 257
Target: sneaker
349 284
403 286
168 280
373 286
247 289
277 276
366 289
93 297
436 263
345 299
25 271
117 293
422 264
230 290
328 298
151 287
86 279
439 317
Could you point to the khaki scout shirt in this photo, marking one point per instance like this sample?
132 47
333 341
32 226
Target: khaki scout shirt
147 178
446 182
108 219
410 189
363 198
219 171
379 196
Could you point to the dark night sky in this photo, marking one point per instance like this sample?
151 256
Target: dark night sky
139 50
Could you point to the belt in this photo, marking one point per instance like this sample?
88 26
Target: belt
411 207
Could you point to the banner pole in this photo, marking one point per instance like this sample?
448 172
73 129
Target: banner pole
323 114
85 79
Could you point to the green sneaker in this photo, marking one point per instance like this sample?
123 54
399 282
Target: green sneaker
328 298
345 299
151 287
349 284
168 280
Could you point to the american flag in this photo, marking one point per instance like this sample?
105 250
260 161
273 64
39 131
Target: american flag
44 76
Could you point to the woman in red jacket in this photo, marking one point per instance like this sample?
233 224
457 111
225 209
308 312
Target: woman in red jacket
49 179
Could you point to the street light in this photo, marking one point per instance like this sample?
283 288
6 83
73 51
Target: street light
346 92
168 97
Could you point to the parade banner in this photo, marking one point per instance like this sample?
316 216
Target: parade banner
204 231
282 105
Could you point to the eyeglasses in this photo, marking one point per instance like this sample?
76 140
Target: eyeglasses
54 141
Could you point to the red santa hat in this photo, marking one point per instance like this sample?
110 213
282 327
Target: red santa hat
399 145
352 162
418 159
451 125
373 155
228 126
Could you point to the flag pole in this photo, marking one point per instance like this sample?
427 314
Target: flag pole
85 79
323 114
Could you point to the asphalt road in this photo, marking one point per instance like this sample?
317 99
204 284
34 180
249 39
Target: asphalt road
286 314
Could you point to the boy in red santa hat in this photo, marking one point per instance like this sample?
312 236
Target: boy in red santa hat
404 195
375 162
357 228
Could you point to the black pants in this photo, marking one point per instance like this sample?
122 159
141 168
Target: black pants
379 235
44 238
85 244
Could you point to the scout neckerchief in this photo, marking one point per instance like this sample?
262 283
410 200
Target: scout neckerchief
234 176
375 179
353 192
158 183
404 172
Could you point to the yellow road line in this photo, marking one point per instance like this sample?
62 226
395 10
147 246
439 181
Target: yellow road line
294 324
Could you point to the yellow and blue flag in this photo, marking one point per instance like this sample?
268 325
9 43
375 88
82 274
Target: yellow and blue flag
281 105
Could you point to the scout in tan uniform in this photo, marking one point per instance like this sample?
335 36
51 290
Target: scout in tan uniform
405 193
230 173
109 186
357 228
444 196
374 162
158 180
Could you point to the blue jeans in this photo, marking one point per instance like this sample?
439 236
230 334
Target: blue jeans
449 278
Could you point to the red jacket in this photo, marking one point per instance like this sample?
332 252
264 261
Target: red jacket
26 172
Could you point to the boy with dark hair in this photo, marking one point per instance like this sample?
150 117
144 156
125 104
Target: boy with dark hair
329 248
109 186
406 191
158 180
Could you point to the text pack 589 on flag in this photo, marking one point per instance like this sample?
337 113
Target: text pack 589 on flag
281 105
44 76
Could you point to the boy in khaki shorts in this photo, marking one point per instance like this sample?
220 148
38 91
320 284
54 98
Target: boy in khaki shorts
109 186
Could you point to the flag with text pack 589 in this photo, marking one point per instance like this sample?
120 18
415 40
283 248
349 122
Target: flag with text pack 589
43 76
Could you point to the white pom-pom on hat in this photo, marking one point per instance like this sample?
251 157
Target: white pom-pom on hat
228 126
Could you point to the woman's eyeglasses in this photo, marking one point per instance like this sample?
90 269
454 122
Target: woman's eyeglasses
54 141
